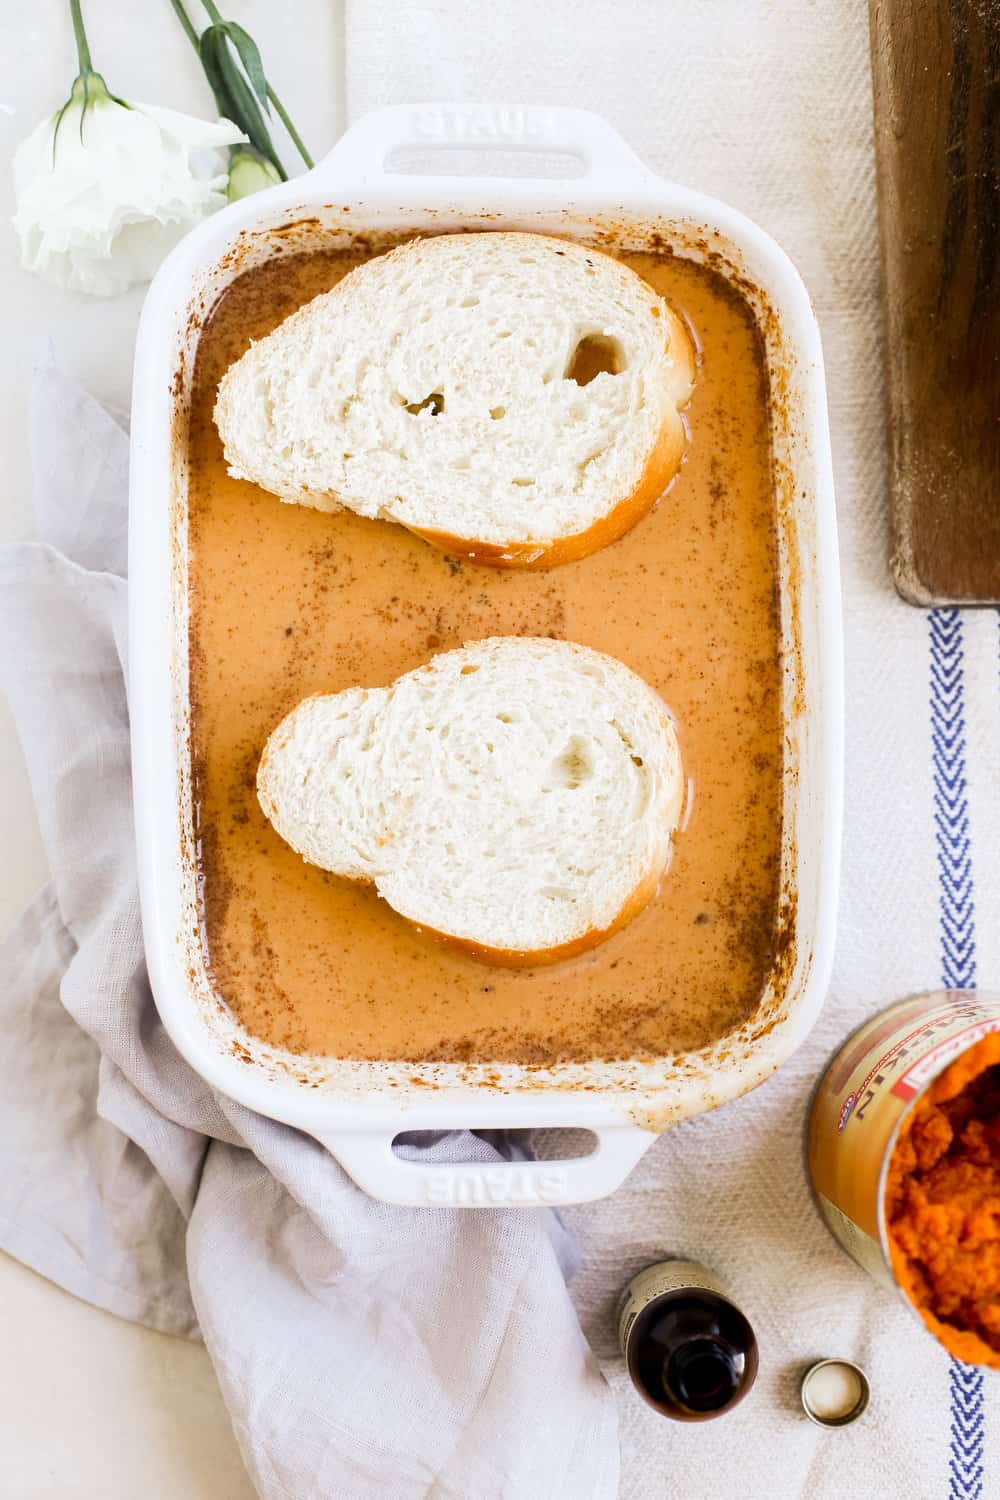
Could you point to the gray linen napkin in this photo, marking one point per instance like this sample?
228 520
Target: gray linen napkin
363 1350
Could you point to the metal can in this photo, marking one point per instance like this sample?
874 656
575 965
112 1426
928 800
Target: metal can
868 1090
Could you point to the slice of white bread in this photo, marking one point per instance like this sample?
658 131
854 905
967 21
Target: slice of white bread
517 796
511 397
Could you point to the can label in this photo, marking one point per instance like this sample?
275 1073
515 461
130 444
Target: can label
916 1079
866 1251
655 1281
867 1089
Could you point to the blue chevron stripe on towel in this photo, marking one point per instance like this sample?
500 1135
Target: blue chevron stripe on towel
957 930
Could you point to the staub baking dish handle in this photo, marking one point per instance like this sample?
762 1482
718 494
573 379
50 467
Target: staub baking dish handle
581 143
371 1161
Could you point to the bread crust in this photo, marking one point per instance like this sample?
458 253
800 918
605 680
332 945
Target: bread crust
515 958
661 467
661 464
619 904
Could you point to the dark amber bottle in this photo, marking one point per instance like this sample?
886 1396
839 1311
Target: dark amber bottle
689 1351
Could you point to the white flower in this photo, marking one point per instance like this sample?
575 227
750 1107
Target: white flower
105 188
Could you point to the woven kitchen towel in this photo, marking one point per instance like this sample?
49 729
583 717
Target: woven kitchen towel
767 104
365 1352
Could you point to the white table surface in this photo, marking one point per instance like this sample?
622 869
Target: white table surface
95 1408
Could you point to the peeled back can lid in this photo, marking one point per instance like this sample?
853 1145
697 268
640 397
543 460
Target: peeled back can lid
834 1392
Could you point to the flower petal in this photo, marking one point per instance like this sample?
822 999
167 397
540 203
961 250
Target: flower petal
100 211
192 132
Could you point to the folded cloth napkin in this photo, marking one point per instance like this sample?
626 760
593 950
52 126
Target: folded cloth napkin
767 104
365 1352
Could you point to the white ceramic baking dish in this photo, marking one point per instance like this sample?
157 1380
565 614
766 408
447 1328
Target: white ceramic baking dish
356 1108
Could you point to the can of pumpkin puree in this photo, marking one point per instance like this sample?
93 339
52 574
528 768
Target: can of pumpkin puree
897 1082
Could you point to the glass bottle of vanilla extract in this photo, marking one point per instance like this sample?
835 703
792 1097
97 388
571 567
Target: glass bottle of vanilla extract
689 1351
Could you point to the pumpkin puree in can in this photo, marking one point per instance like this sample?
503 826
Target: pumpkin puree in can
904 1158
943 1205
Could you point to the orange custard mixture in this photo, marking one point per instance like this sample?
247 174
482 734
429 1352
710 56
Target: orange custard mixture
287 601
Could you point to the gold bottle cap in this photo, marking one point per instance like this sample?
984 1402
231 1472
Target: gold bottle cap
834 1392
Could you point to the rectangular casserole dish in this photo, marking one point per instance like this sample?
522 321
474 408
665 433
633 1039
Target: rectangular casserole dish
357 1108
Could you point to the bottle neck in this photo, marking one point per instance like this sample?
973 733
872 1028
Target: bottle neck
703 1374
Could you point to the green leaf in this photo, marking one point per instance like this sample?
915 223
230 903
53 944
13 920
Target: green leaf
247 115
249 56
233 96
213 38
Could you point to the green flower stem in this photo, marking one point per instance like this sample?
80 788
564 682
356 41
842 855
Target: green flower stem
285 119
79 31
185 21
89 87
222 104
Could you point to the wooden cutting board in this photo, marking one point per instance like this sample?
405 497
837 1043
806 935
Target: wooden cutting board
936 74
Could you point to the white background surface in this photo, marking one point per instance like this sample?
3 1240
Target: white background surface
92 1408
